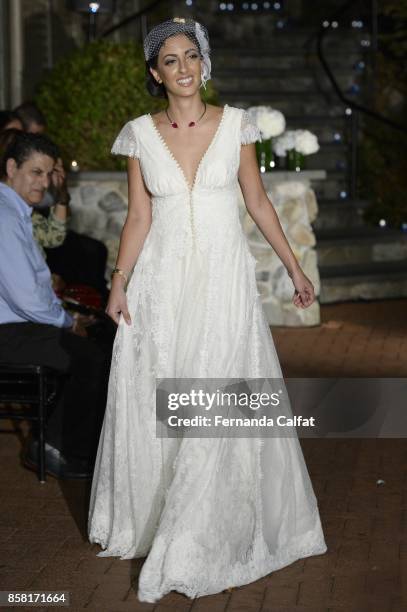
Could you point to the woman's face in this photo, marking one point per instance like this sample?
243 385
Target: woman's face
179 66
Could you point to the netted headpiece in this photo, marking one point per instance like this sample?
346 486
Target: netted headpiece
179 25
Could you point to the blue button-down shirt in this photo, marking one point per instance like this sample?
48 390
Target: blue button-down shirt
26 292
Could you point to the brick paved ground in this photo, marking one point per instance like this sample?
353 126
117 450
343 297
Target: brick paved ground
42 530
354 339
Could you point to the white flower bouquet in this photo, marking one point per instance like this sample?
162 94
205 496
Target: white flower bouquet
270 121
295 145
306 142
302 141
284 143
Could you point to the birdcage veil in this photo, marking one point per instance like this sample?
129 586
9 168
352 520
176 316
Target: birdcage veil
197 32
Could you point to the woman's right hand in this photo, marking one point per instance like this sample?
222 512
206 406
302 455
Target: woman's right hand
117 304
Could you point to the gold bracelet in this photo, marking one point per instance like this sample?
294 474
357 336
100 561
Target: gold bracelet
119 271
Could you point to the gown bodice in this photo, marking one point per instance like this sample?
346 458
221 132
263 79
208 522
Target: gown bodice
200 211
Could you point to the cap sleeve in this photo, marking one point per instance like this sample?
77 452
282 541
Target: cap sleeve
126 142
249 131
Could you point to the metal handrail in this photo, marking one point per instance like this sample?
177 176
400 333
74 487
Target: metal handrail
329 73
355 107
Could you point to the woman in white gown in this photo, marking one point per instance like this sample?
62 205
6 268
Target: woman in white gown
209 513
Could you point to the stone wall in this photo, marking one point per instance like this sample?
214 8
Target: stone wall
296 206
99 206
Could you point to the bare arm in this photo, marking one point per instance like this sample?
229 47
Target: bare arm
135 230
138 219
60 212
264 215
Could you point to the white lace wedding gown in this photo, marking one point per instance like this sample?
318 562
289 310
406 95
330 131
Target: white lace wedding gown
209 513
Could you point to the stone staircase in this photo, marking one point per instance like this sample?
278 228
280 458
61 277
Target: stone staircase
361 262
280 68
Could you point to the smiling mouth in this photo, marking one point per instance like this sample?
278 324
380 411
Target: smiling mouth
184 82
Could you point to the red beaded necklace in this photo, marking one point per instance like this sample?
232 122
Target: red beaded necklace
174 124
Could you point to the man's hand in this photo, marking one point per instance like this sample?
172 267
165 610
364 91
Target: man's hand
58 283
81 322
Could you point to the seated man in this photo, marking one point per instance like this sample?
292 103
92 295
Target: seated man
80 259
50 231
34 327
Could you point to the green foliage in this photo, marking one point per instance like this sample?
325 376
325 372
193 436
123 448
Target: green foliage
91 94
396 41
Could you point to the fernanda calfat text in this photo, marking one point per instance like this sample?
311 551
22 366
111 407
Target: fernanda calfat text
220 421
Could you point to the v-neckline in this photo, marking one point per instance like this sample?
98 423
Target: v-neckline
174 159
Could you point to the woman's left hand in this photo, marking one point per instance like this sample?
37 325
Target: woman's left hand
304 290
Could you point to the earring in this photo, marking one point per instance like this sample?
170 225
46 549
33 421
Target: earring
203 80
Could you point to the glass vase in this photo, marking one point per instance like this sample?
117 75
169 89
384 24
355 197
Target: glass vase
265 155
281 162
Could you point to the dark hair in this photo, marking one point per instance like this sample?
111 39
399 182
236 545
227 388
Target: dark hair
28 113
23 145
157 90
6 116
6 138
